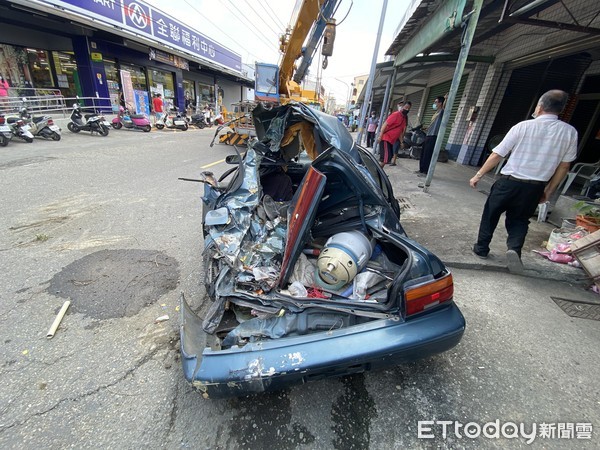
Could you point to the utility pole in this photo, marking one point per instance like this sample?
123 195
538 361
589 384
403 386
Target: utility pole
472 20
369 88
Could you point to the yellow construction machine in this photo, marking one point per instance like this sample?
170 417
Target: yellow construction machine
312 21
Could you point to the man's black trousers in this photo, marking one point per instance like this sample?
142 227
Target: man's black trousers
370 138
427 153
519 200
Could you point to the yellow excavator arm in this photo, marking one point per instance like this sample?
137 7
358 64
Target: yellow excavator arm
311 20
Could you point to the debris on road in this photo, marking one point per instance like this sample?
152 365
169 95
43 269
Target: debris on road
58 319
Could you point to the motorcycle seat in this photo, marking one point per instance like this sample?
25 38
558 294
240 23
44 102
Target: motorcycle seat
87 116
137 116
12 119
37 119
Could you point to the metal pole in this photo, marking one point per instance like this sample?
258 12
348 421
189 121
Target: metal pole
347 91
460 66
385 106
363 109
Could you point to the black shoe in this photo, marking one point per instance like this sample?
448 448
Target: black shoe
392 164
421 175
514 263
479 255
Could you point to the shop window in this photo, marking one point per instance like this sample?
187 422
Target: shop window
66 73
162 82
138 77
206 94
112 82
135 88
189 92
25 69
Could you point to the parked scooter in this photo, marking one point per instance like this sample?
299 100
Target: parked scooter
19 128
198 120
413 143
5 132
174 119
131 121
92 123
41 126
218 120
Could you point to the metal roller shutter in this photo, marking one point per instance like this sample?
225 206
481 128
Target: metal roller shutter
527 84
441 90
415 99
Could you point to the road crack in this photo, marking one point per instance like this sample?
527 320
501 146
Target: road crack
144 360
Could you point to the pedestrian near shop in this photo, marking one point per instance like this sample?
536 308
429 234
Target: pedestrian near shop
541 151
4 87
372 123
392 130
400 142
157 107
431 136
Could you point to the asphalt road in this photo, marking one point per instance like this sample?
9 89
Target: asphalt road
106 223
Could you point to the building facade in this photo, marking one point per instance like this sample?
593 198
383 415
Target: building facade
117 51
519 51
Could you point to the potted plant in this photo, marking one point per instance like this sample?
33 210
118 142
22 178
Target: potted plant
588 215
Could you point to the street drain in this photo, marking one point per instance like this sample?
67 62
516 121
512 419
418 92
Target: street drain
404 203
578 309
116 283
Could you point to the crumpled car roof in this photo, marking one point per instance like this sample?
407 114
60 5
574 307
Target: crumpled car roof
271 124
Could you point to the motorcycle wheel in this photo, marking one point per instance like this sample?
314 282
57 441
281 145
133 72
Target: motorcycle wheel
146 128
28 140
55 136
159 126
3 141
103 131
117 126
415 152
73 128
184 127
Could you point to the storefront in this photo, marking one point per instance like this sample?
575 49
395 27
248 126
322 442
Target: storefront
79 50
33 71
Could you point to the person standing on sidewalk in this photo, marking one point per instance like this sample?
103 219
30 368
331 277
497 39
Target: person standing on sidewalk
392 130
431 137
157 107
372 123
400 142
4 87
541 152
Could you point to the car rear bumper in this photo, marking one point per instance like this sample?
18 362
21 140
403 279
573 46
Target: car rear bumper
279 363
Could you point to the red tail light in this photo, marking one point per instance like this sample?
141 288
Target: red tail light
423 296
50 122
2 120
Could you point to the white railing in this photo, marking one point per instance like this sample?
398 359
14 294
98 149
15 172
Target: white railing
52 103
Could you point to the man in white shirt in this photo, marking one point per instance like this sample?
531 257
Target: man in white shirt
541 151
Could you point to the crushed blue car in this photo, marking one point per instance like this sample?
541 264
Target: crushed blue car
308 269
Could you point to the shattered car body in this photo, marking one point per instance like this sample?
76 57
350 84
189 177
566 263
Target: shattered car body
310 271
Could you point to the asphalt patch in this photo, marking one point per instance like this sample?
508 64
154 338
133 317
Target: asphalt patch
116 283
26 162
578 309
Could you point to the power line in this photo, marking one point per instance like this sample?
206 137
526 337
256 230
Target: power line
263 20
272 14
214 25
249 23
